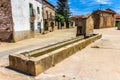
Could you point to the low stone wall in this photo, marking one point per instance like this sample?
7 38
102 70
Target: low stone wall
37 65
21 35
6 36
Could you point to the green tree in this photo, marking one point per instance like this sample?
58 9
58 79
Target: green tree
60 19
71 22
64 10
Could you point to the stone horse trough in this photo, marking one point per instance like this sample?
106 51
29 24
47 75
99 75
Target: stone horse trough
37 61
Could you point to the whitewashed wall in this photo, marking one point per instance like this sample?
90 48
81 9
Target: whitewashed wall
21 14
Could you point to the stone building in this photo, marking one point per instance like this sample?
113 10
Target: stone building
79 24
20 19
104 18
85 25
49 16
88 24
77 20
117 16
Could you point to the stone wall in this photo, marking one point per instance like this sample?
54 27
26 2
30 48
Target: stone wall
78 20
89 26
85 25
118 25
96 18
107 20
21 35
6 21
103 19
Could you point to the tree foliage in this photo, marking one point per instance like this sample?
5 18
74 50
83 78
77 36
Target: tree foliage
59 18
64 10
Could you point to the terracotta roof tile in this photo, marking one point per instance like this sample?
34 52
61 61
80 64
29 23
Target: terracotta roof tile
77 16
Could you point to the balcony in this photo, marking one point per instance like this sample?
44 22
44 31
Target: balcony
50 18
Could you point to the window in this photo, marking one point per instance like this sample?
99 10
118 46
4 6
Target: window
50 15
32 26
31 9
39 27
47 14
38 10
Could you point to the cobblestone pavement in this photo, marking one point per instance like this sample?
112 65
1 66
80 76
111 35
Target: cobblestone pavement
98 61
43 40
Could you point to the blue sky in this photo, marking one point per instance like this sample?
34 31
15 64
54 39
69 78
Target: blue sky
81 7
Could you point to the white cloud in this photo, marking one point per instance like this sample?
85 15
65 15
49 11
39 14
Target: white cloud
69 3
117 10
76 11
104 1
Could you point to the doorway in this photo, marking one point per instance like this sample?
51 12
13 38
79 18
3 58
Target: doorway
32 26
39 27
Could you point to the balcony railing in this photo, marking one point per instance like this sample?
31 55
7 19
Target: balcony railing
50 18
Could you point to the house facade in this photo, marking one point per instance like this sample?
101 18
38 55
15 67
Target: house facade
79 24
49 16
20 19
104 18
117 16
77 20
